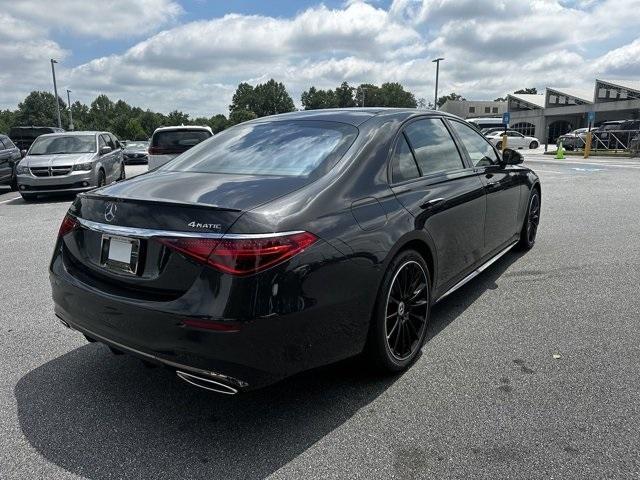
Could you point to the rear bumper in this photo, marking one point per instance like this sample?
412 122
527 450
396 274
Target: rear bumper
317 325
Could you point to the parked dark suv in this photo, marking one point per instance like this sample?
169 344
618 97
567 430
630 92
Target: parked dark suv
23 137
9 158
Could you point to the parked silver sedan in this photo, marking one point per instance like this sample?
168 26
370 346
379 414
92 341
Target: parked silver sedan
70 162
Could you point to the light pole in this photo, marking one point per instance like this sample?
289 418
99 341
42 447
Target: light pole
55 91
437 62
70 113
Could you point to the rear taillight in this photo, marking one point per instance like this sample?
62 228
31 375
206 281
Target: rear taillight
242 255
197 248
68 224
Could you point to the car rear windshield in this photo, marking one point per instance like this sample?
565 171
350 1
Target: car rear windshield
137 145
281 148
177 141
63 144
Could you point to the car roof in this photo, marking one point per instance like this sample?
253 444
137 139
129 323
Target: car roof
71 134
183 127
353 116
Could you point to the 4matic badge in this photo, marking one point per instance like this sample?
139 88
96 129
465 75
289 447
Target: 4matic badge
208 226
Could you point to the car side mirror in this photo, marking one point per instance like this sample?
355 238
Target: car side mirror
105 150
512 157
23 153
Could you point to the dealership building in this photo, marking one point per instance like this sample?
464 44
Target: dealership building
560 110
474 108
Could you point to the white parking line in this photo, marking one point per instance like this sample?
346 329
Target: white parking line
6 201
539 170
598 164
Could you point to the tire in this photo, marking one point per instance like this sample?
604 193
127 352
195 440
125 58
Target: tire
123 174
14 183
499 145
533 145
28 197
401 315
531 221
101 179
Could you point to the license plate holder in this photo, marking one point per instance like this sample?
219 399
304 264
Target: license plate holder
120 254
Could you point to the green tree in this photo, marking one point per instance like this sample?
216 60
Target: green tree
81 117
218 123
394 95
239 116
528 91
264 99
243 98
177 118
7 120
271 98
451 96
39 108
368 95
314 99
134 130
344 96
101 113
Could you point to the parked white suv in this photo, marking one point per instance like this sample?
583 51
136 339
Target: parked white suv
169 142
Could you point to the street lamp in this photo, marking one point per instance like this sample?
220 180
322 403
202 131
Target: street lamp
70 113
55 91
437 62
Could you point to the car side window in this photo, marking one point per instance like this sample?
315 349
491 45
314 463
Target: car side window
109 141
3 145
115 141
433 146
101 142
477 146
7 142
403 164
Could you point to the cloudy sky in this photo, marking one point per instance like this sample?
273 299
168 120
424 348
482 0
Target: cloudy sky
191 54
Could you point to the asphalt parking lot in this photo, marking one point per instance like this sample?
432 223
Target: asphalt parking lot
531 371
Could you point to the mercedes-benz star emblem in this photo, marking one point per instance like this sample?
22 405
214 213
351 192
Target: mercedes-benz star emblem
110 211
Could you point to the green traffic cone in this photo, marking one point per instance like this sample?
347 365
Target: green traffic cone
560 152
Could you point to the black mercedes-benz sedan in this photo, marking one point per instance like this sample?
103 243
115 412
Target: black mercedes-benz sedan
290 242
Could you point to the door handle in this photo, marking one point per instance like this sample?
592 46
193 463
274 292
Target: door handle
431 203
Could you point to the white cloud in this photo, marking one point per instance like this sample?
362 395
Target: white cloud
102 19
25 55
491 47
623 61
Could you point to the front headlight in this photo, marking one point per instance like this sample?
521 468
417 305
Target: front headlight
22 170
83 166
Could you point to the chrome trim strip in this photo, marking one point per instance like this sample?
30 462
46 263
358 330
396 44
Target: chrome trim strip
477 271
150 232
141 232
222 388
177 366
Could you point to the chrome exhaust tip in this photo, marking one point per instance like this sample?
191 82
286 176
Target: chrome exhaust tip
206 383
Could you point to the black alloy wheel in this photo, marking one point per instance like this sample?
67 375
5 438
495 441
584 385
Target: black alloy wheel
531 221
499 145
402 313
533 145
101 179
